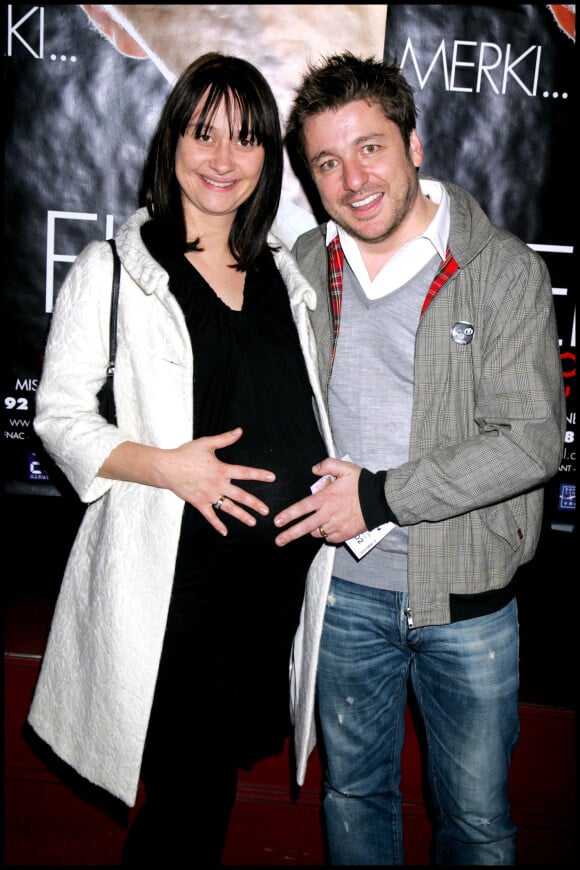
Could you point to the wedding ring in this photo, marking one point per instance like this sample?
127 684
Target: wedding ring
217 504
323 534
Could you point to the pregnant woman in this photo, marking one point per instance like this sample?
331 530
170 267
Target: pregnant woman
168 655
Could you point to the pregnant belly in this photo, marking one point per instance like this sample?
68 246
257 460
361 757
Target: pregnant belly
292 483
290 461
249 552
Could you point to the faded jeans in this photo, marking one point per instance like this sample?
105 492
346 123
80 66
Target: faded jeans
465 678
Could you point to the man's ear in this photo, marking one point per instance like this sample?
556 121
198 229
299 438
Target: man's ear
415 149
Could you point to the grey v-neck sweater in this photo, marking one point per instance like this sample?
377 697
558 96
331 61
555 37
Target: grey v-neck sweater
370 401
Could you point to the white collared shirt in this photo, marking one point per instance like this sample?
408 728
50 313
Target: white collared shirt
411 258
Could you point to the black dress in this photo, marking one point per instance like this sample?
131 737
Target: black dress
222 691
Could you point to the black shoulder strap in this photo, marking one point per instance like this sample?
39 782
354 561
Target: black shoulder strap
114 307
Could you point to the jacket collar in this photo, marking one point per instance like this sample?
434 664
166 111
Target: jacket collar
137 261
299 290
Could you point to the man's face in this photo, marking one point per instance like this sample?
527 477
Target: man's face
366 177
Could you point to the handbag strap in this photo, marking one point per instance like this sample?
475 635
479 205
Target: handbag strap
114 308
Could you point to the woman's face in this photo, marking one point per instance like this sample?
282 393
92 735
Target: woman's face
218 171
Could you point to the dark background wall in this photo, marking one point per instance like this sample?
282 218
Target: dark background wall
495 92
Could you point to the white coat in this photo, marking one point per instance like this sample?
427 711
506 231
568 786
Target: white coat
95 689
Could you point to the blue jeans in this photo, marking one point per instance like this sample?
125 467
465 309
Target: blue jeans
466 681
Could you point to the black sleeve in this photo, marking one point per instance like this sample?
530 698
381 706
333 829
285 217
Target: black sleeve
373 502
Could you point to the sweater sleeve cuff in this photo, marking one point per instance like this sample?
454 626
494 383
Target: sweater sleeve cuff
373 502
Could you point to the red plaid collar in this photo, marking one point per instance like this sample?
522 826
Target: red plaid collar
446 269
335 267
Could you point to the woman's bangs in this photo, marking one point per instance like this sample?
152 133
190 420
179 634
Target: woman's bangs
239 110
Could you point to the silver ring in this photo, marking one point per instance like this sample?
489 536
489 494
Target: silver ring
217 504
323 534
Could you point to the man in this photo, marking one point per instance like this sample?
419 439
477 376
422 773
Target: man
437 342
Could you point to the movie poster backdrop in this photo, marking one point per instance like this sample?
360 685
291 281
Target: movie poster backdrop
84 87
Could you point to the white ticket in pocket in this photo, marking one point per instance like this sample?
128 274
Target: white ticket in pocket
361 544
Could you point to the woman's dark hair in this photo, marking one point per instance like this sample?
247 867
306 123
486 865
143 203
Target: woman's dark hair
209 80
342 78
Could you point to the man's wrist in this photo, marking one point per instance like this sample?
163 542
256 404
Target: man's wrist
372 498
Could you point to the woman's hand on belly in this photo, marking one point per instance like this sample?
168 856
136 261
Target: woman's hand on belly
195 474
